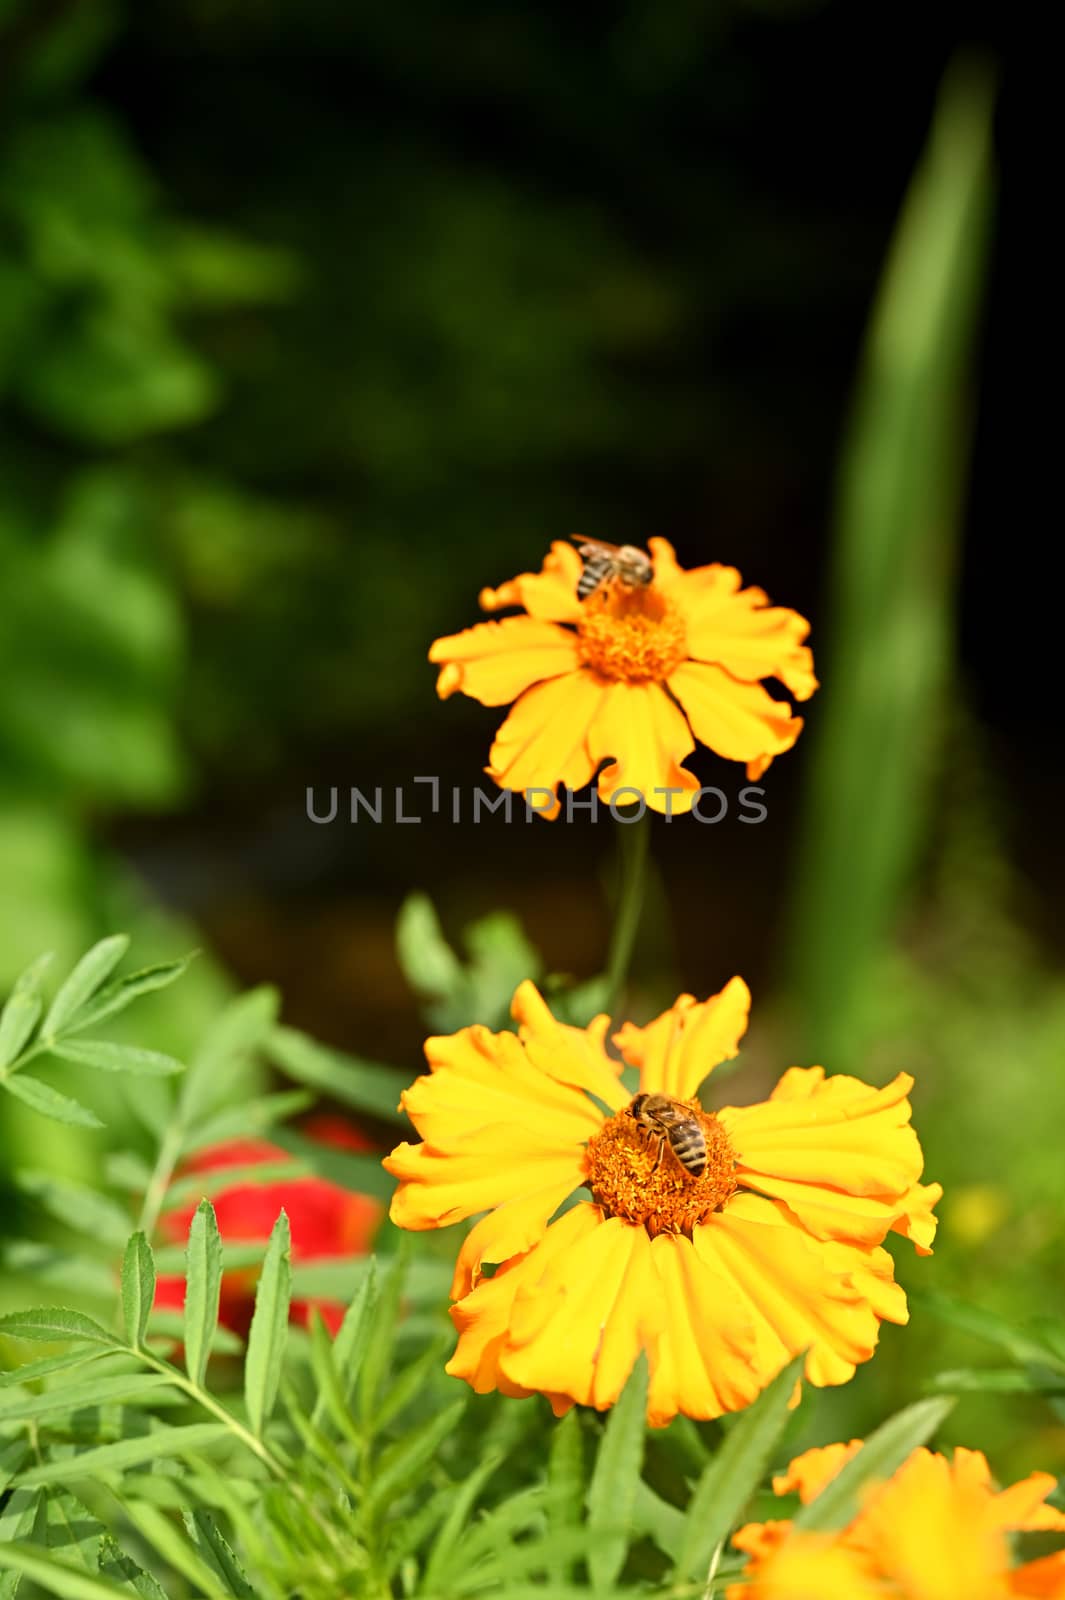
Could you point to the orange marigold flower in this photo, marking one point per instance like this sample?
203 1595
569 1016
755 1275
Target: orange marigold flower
325 1220
721 1276
935 1530
631 676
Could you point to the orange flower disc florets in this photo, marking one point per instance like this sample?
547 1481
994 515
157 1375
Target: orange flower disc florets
631 635
629 1181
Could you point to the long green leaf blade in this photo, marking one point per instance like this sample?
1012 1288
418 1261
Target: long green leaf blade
269 1328
103 1056
126 1453
735 1473
362 1085
138 1288
21 1011
75 1396
55 1323
117 996
881 1455
615 1476
40 1096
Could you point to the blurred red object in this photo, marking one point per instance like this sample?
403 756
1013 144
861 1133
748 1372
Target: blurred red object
325 1220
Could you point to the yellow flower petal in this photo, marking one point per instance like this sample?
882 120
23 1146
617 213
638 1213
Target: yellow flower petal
810 1566
1043 1579
550 593
808 1473
542 742
510 1230
573 1056
440 1187
639 730
495 662
839 1153
740 721
701 1362
579 1320
927 1530
795 1299
677 1051
872 1272
739 630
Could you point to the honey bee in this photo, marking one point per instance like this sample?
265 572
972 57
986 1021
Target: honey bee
607 563
672 1122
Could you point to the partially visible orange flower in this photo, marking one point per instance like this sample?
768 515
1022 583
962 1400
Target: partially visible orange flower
721 1278
630 676
325 1221
935 1530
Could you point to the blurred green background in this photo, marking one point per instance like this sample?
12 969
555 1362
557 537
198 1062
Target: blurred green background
316 318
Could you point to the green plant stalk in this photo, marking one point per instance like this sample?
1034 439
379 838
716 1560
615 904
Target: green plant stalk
633 841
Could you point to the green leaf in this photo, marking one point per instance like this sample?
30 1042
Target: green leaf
13 1453
56 1577
233 1036
893 576
448 1541
106 1057
154 1446
49 1102
117 996
881 1455
161 1534
77 1206
412 1381
360 1174
206 1536
240 1121
138 1288
379 1346
83 982
612 1490
428 962
401 1466
54 1323
32 1370
996 1380
989 1326
734 1474
21 1011
269 1328
352 1338
76 1396
203 1286
116 1565
362 1085
565 1485
331 1400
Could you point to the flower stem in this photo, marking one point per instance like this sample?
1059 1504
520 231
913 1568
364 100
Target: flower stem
634 840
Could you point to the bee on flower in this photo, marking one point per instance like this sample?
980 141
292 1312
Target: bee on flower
620 661
721 1243
937 1529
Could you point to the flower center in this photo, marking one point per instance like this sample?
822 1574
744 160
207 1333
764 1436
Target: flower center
634 1174
631 634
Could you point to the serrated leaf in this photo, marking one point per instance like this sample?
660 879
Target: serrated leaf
269 1328
120 1568
104 1056
734 1474
75 1396
203 1286
401 1465
161 1534
612 1490
351 1340
90 972
85 1210
138 1288
56 1323
209 1541
41 1097
125 1453
362 1085
117 996
881 1455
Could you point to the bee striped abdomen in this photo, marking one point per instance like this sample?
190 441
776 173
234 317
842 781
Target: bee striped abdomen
688 1143
595 571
